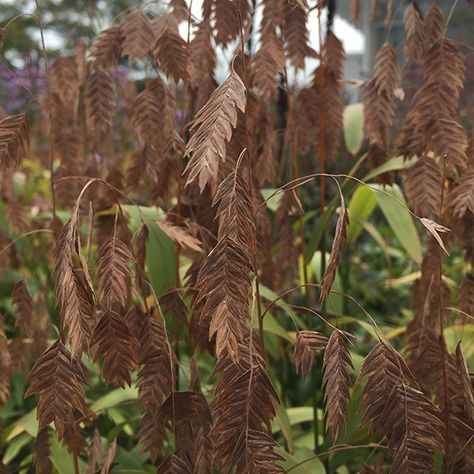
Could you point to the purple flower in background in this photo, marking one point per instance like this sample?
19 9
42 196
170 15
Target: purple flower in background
18 86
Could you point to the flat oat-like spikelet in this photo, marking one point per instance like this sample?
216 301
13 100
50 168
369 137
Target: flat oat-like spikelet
308 343
100 100
156 358
202 56
113 340
462 444
156 381
467 387
411 417
463 195
245 401
338 245
73 294
444 72
226 15
24 308
422 185
109 458
465 297
223 279
180 235
57 380
138 36
424 354
399 411
433 123
147 112
173 464
336 382
326 102
180 9
415 35
14 141
211 128
108 47
188 415
95 452
114 272
16 214
41 452
170 50
5 364
69 145
434 26
64 79
379 102
287 252
269 61
296 33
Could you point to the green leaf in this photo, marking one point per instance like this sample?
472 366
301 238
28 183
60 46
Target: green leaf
335 302
321 223
161 259
399 219
282 423
27 423
134 459
139 214
310 463
271 325
360 208
375 234
354 127
15 446
270 295
296 415
465 334
274 201
114 398
61 458
134 471
393 164
161 250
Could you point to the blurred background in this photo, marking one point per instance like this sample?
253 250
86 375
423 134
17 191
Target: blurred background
68 22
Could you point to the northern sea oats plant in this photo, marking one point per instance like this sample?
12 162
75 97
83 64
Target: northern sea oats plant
167 241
